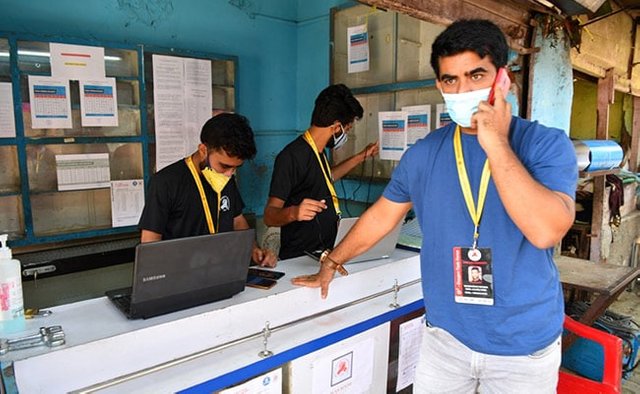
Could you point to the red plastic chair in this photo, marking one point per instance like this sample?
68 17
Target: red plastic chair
612 374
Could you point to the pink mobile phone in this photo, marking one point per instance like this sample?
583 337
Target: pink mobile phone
503 81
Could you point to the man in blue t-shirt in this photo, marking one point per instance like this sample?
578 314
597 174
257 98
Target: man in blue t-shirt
491 191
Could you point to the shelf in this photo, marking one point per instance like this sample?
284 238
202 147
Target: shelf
591 174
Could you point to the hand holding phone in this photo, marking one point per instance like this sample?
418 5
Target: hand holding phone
502 81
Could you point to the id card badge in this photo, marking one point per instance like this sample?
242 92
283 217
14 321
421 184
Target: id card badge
473 276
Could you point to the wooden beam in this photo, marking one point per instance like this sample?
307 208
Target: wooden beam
530 60
605 97
597 220
635 135
512 17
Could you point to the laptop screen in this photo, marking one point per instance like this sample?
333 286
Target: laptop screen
186 264
181 273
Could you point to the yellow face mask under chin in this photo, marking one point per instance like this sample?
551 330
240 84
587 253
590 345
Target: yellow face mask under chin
217 180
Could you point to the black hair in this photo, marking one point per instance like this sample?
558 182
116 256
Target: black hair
336 102
478 35
231 133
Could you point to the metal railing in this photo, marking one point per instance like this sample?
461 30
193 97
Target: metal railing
264 333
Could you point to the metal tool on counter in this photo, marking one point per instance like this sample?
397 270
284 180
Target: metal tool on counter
47 336
30 313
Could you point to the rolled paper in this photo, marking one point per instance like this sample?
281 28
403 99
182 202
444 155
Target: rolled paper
594 155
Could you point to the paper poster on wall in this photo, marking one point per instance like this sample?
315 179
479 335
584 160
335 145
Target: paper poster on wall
269 383
358 49
198 99
7 118
99 102
182 104
168 109
76 61
442 116
127 201
83 171
347 371
410 339
392 127
50 103
418 122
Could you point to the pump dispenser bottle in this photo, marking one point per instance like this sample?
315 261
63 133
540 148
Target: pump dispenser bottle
11 304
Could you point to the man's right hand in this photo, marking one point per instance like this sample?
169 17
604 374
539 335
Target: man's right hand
308 209
321 279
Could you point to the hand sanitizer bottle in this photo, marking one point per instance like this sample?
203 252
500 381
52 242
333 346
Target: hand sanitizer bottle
11 304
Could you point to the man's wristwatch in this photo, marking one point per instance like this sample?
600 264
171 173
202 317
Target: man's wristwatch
326 260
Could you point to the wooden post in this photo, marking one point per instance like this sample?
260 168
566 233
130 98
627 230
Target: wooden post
635 135
606 95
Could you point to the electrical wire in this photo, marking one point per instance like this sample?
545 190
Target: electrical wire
373 162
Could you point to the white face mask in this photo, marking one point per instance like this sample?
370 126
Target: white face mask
461 106
339 141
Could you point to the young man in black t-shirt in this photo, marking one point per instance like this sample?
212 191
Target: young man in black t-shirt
198 195
302 199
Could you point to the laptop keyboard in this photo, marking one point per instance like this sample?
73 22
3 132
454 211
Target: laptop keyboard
122 299
123 303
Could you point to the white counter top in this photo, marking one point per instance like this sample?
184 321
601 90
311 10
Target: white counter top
102 344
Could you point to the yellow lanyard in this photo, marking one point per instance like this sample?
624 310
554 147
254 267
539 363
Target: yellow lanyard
466 188
336 204
203 197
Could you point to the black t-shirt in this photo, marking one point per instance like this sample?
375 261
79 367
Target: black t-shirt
297 175
174 209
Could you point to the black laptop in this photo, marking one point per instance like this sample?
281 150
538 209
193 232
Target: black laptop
181 273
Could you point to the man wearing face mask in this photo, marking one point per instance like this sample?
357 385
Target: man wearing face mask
198 195
489 190
302 198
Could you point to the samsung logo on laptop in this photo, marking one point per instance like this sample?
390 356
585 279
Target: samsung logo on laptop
153 277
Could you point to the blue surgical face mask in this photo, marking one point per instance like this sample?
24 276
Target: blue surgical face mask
461 106
339 141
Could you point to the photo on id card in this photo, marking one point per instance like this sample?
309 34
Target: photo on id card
473 277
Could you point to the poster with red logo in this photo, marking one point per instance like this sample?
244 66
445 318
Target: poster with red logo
347 370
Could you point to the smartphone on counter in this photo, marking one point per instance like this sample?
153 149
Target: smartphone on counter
269 274
260 283
503 81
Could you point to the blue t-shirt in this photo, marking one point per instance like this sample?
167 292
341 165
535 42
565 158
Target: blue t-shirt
528 309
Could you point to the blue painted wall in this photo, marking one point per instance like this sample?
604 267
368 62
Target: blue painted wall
263 34
552 87
263 38
313 54
283 50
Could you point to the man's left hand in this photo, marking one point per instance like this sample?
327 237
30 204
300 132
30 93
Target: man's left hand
370 150
264 257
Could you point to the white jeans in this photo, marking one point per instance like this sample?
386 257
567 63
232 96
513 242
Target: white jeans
448 366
